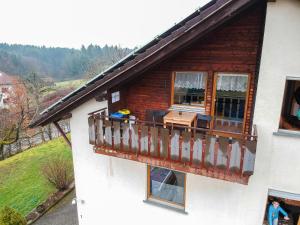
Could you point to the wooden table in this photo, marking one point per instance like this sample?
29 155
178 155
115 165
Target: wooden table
186 119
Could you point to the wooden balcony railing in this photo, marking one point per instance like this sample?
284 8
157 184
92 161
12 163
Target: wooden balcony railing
227 156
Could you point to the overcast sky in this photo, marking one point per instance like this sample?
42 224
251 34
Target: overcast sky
71 23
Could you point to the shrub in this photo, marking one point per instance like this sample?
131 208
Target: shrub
9 216
59 172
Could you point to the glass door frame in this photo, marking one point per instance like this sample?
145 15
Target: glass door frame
214 94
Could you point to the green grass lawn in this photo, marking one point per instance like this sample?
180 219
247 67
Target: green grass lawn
69 83
22 184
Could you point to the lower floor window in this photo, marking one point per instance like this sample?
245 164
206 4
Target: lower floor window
166 186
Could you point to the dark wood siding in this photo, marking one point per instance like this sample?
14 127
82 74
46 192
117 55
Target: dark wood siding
234 47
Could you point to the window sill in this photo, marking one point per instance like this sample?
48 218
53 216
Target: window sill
188 108
287 133
165 206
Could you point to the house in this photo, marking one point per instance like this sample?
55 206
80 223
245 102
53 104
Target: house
6 85
213 130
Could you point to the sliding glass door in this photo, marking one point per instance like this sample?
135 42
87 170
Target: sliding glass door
230 100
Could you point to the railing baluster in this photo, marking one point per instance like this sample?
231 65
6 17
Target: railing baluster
192 149
112 136
158 142
216 148
180 147
139 133
229 150
242 157
203 151
149 141
169 145
130 139
96 129
121 138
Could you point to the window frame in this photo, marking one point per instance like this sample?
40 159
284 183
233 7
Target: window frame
173 89
163 201
114 95
214 92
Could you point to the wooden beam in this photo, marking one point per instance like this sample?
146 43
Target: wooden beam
62 133
173 165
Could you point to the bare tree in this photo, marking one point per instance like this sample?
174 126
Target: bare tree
15 118
36 87
117 53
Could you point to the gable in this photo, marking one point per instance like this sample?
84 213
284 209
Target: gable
234 47
199 24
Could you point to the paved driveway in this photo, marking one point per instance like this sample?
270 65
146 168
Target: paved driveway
64 213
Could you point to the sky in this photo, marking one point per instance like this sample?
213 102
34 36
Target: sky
73 23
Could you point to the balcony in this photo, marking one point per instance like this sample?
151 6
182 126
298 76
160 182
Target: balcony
226 156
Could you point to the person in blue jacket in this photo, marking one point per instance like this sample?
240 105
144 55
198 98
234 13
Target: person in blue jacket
273 213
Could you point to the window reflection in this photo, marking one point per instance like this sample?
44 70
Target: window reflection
189 88
167 185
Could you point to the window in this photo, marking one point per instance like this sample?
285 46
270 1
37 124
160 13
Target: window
289 204
166 186
290 113
115 97
189 88
230 94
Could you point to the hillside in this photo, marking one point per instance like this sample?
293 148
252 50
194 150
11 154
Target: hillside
58 63
22 184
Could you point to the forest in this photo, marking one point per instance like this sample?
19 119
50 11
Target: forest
58 63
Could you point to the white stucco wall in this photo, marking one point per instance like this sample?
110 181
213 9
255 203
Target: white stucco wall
113 189
280 59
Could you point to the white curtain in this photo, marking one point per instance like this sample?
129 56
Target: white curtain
234 82
195 80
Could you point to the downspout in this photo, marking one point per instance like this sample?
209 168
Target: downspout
62 133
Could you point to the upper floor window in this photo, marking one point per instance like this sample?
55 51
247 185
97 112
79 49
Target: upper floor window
189 88
115 97
290 113
166 186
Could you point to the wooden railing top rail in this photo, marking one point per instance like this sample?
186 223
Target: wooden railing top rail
99 110
241 136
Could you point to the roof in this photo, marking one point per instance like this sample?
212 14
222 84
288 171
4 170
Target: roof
193 27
